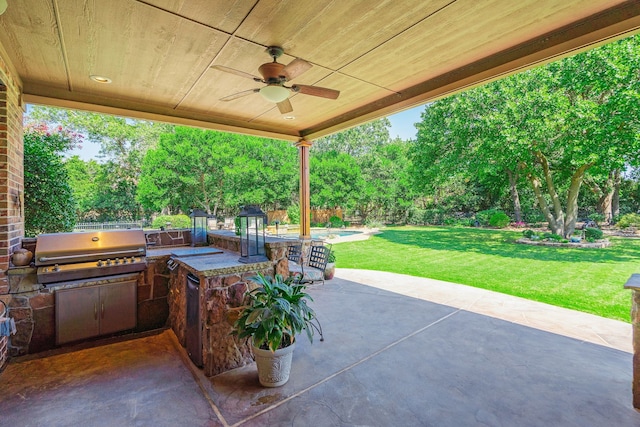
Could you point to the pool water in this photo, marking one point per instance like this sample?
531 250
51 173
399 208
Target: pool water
323 234
326 234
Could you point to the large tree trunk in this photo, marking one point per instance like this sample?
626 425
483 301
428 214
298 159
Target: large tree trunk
554 225
608 196
615 199
557 223
515 197
560 222
572 200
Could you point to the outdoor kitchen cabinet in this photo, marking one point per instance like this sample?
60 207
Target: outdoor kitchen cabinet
91 311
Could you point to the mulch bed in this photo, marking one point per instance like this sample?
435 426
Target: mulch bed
599 244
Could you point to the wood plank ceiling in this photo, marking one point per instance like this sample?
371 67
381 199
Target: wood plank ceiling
382 55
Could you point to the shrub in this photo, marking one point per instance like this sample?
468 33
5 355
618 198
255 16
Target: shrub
374 223
434 216
499 219
597 217
484 217
335 222
553 236
528 233
593 234
177 221
629 220
293 212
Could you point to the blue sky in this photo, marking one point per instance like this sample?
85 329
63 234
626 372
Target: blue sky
402 124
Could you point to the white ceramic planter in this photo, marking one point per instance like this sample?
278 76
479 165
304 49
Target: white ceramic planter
274 367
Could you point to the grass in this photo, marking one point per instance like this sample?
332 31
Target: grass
588 280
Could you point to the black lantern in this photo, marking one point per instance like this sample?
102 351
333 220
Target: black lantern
252 221
199 223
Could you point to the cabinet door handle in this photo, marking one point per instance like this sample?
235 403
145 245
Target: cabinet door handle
95 311
102 311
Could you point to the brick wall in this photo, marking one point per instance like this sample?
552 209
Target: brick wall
11 181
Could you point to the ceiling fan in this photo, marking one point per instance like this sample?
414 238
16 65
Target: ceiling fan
275 75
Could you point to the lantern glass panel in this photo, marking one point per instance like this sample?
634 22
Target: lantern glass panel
199 224
252 234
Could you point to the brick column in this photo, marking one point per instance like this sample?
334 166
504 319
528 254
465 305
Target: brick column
634 284
11 181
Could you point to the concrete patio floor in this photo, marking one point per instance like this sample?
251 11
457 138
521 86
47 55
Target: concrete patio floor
398 351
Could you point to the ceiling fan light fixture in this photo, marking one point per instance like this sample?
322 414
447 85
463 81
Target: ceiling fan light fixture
274 93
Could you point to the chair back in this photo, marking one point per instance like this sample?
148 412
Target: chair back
318 257
294 253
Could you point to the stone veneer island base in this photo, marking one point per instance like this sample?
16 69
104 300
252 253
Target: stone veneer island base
224 282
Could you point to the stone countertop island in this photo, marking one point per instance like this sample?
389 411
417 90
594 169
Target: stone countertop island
208 261
223 283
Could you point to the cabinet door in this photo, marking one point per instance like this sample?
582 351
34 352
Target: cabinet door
77 314
118 306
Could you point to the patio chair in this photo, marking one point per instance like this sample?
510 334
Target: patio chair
309 271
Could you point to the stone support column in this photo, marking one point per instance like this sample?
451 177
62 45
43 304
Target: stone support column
634 284
305 204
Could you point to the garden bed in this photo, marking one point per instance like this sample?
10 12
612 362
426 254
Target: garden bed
599 244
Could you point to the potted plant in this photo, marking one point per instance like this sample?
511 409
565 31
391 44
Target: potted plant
276 312
330 269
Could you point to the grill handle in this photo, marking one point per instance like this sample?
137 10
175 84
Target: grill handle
172 264
139 251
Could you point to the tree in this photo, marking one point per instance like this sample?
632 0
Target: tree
361 169
216 171
335 180
555 125
82 179
123 142
48 199
356 141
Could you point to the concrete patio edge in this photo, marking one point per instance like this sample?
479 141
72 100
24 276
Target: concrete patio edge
570 323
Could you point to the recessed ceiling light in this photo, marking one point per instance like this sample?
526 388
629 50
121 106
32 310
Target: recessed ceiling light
100 79
289 117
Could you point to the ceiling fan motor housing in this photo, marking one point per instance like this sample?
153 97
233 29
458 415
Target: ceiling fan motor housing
272 73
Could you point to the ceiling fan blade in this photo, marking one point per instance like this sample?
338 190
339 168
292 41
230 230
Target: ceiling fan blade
239 94
236 72
322 92
285 106
295 68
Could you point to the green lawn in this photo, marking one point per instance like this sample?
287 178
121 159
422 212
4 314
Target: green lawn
589 280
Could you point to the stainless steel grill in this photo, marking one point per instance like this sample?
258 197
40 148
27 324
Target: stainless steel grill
72 256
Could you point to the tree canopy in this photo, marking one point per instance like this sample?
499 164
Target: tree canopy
213 171
554 125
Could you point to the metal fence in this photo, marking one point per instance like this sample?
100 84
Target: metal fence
109 225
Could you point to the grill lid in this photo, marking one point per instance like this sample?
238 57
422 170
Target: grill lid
65 248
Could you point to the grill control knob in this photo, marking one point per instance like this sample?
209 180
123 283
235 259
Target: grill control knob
117 261
100 263
108 262
56 267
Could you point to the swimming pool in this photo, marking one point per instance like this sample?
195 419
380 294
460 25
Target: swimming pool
322 234
333 233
